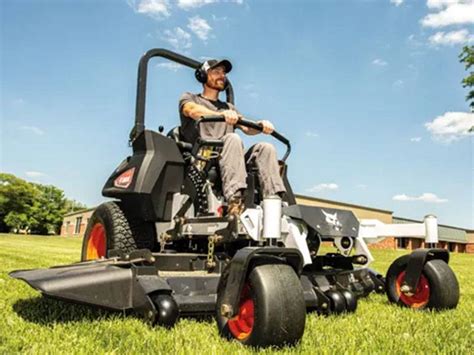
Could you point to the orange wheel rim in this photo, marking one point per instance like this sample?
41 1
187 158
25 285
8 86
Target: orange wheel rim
96 245
242 324
421 296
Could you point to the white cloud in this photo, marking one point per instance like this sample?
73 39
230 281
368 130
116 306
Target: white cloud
170 66
322 187
251 90
158 9
178 38
379 62
396 2
34 174
398 83
311 134
200 27
450 13
33 129
415 139
192 4
414 41
18 102
439 4
451 38
426 197
451 126
216 18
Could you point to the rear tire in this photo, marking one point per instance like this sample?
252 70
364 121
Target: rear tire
109 228
272 310
437 289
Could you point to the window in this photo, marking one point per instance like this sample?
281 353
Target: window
77 230
402 243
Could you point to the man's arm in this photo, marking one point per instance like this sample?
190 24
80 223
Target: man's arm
247 130
267 128
196 111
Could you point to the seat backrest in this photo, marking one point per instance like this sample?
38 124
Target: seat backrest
175 134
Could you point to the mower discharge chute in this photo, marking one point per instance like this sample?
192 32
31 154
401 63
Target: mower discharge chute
166 246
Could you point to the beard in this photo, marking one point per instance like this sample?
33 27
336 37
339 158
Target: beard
218 84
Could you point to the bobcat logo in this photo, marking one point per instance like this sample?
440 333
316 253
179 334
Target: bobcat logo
332 220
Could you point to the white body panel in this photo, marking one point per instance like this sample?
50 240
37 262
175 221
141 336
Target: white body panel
373 229
272 217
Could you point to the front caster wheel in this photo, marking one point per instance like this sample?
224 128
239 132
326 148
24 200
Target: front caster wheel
437 288
351 300
338 303
272 309
167 308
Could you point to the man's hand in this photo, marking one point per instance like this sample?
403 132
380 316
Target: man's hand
231 117
267 126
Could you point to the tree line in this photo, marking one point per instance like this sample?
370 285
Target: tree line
27 207
467 58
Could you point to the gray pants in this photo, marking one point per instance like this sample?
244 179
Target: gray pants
232 166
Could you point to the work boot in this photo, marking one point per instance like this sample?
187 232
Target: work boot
236 205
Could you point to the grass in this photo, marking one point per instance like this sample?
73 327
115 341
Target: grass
32 324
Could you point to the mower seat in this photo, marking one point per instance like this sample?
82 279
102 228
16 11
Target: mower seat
175 135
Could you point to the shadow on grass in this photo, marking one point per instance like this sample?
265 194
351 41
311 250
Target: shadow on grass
50 311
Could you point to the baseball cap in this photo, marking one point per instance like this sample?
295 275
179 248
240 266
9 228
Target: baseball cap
212 63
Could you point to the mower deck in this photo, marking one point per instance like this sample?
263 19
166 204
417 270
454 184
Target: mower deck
121 283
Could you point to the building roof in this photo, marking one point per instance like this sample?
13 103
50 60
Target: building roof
445 233
79 212
342 203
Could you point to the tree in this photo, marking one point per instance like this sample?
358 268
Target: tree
74 206
30 207
48 210
17 221
17 197
467 57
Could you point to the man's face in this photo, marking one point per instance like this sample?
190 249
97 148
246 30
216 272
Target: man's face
216 78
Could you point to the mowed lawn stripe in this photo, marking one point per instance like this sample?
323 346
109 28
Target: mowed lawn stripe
32 324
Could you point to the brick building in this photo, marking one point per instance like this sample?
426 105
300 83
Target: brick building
75 223
453 238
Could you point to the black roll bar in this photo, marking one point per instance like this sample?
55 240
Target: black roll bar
139 126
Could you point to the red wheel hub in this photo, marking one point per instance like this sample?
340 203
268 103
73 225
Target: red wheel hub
242 324
421 296
96 245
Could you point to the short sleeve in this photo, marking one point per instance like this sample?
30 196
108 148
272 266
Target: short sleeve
232 107
184 99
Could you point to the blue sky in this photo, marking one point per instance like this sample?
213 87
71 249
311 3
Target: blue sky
368 91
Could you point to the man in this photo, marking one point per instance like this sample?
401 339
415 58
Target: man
212 74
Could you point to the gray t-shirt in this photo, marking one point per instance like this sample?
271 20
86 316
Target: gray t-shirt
215 130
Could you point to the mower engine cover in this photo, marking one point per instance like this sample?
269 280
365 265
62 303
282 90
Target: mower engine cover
147 180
